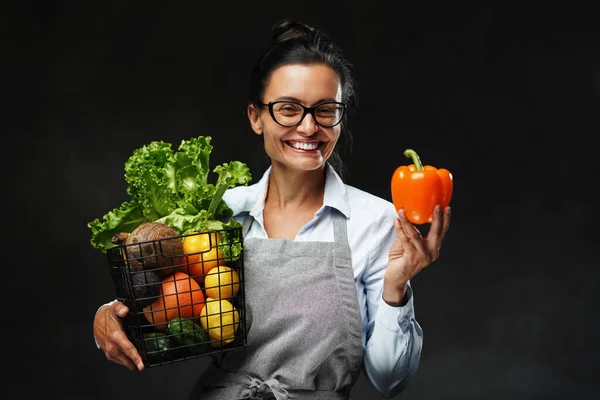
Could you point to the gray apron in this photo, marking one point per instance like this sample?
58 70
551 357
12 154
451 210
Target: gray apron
305 332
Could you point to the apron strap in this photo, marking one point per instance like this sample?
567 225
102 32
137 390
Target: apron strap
257 389
340 236
340 233
221 385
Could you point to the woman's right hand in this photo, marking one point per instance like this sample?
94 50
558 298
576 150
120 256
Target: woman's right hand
110 336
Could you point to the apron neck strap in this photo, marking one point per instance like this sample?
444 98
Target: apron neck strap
340 234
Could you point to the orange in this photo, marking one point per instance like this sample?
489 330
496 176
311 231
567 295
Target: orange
222 282
180 296
202 254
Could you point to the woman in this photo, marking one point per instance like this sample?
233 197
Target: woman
327 266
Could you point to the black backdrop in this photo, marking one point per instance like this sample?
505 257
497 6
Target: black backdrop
504 97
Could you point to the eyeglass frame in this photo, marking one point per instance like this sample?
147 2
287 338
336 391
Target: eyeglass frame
307 110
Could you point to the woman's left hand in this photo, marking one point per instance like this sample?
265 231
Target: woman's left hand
411 252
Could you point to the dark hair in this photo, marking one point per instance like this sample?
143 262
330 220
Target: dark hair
294 42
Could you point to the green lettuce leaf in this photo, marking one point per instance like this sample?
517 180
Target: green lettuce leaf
173 187
123 219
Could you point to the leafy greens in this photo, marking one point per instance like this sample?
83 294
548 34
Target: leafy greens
172 187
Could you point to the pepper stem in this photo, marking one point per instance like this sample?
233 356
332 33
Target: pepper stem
410 153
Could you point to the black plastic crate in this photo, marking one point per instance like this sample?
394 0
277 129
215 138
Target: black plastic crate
182 306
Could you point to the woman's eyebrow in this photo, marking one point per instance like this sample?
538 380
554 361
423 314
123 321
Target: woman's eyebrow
296 100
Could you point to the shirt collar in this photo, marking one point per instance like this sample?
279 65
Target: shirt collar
335 195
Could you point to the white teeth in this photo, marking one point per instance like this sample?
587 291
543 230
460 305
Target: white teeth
305 146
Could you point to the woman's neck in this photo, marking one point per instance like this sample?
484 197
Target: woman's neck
293 189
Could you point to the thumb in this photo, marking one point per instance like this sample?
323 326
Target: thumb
120 310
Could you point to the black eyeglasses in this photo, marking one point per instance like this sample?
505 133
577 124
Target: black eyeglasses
289 113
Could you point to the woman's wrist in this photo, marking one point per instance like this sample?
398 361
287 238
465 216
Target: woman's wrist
395 295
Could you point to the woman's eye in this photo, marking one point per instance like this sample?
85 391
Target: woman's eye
326 111
289 109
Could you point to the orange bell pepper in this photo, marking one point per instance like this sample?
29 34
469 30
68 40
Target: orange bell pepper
418 189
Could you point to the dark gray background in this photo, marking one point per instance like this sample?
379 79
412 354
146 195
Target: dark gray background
504 97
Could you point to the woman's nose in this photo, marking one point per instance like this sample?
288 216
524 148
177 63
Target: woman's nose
308 125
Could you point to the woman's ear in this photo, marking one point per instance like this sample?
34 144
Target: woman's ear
255 121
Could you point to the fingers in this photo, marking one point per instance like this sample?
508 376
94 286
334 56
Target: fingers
121 358
439 227
398 225
446 224
115 343
430 245
412 234
128 356
436 230
400 232
121 350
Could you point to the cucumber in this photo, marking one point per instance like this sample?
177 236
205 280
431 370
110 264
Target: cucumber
186 333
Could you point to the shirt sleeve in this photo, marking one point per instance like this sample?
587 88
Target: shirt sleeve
394 338
107 304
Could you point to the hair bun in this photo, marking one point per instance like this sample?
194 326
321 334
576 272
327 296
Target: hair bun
290 29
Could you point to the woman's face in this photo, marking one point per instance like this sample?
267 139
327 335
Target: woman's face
306 146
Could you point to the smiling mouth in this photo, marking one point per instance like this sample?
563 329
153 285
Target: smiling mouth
304 146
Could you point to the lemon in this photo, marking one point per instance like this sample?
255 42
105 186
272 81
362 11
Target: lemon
203 253
222 282
220 319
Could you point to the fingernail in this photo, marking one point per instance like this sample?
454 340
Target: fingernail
140 366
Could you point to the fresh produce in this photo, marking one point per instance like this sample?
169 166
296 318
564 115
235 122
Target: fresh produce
202 254
171 197
180 296
157 341
152 246
146 288
157 346
172 187
222 282
221 320
418 189
186 333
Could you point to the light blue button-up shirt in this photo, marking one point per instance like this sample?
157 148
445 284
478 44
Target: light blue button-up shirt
392 338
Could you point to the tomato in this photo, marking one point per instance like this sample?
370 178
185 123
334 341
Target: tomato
202 254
